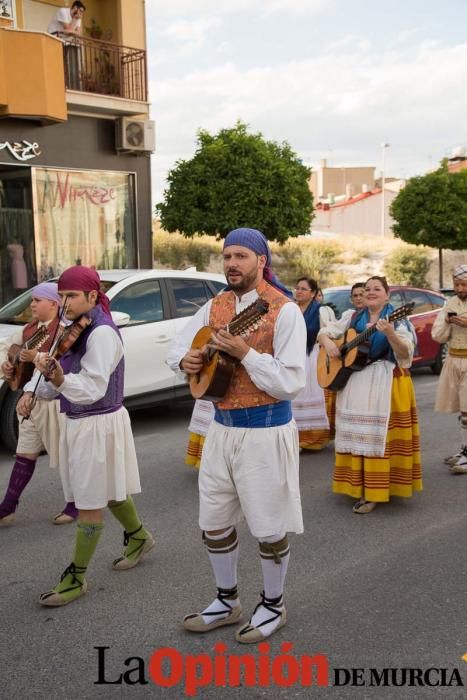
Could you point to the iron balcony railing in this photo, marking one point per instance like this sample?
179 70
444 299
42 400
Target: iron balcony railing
97 66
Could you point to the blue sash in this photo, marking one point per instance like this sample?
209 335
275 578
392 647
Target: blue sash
267 416
311 318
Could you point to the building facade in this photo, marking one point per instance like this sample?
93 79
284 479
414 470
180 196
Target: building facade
361 215
327 182
75 142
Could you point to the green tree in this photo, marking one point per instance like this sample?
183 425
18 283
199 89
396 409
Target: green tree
238 179
407 267
432 210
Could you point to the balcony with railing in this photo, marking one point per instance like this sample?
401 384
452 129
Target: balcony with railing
104 68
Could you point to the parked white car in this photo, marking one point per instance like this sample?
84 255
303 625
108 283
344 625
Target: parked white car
150 307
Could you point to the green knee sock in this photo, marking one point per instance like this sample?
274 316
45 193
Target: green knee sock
135 533
87 537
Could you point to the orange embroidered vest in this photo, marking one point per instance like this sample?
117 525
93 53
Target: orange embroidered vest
242 392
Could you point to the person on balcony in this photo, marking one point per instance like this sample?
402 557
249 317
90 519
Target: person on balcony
67 21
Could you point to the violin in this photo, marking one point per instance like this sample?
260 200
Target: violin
64 342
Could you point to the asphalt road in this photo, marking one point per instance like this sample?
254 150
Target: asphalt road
385 590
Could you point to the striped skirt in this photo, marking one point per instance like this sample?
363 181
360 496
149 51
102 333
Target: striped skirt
309 409
330 401
399 471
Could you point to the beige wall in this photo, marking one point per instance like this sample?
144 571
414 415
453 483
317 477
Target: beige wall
37 15
133 23
360 218
325 180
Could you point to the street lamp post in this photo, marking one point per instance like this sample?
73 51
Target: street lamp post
383 207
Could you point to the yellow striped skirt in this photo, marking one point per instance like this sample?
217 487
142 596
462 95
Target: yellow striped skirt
314 439
330 401
399 472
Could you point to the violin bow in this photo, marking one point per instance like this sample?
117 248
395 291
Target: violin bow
53 347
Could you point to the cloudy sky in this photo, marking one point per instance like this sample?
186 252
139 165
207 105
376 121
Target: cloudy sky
335 79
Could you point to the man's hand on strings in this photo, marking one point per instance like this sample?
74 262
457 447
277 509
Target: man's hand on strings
192 362
50 368
233 345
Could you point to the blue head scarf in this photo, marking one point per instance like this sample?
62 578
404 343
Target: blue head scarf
257 242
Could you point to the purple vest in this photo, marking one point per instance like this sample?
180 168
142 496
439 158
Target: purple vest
71 364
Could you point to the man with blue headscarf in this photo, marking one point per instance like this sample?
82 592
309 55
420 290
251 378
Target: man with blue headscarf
249 465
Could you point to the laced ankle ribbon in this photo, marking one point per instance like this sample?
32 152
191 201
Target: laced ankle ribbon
270 604
223 594
131 535
74 571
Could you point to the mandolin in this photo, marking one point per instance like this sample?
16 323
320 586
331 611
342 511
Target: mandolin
334 372
23 371
212 382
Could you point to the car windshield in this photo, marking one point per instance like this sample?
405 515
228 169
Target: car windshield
18 311
338 299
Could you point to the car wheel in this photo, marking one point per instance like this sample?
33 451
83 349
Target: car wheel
437 366
9 420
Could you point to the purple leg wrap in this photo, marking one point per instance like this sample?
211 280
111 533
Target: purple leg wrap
70 509
23 469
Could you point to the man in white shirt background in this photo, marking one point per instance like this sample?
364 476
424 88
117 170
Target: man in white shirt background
67 21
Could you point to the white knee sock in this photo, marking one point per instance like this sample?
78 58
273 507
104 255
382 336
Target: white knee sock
463 422
274 563
275 554
223 555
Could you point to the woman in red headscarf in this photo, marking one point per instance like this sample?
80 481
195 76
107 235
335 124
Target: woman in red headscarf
99 465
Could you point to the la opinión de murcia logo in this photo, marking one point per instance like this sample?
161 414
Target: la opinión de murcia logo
168 668
22 150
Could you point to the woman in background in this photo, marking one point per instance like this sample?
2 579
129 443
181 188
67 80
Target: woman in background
309 407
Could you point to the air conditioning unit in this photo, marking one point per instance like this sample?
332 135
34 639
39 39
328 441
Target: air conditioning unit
135 135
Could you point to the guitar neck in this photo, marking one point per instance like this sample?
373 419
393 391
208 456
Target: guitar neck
359 339
247 318
38 335
399 313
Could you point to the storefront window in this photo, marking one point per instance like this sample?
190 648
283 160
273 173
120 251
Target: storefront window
17 255
83 218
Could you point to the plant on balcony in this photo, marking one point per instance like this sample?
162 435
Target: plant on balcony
95 31
103 79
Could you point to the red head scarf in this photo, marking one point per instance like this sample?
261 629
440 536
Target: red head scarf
83 279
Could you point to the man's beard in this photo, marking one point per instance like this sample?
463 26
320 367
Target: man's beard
244 282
